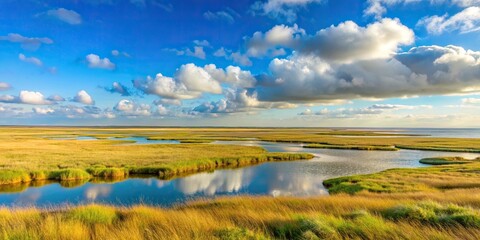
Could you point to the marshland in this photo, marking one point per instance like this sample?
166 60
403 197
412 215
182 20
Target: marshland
237 183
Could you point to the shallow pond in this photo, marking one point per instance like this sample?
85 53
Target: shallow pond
298 178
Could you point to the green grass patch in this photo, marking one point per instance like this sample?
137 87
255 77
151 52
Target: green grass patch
435 214
446 160
442 149
14 176
70 174
108 172
93 214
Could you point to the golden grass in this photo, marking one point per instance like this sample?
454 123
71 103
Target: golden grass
448 215
439 202
300 135
28 154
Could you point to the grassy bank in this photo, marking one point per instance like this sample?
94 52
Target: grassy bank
447 160
164 171
430 179
445 215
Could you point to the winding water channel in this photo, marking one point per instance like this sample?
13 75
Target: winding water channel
298 178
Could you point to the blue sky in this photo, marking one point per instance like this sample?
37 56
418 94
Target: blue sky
374 63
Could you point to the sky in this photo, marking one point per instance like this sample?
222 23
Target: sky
265 63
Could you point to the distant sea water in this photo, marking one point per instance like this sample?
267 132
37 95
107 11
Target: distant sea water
432 132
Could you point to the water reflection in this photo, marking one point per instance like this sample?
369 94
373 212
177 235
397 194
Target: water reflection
299 178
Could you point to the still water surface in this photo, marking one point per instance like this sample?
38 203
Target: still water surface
299 178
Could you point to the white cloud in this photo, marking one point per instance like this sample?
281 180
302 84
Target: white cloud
30 97
32 60
228 15
472 101
468 20
84 98
190 81
43 111
345 42
239 101
281 9
197 79
117 53
166 87
197 52
4 86
350 42
129 108
232 75
261 44
56 98
237 57
426 70
94 61
65 15
26 42
378 8
118 88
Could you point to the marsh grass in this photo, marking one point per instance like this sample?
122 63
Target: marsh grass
427 179
447 160
32 154
452 215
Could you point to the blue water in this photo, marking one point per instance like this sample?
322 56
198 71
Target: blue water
298 178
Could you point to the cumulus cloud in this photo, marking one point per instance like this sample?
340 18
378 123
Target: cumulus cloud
239 101
237 57
464 3
423 70
72 111
30 43
26 97
94 61
232 75
56 98
32 60
29 97
197 52
468 20
83 97
43 111
4 86
118 53
261 44
345 42
348 41
378 8
190 81
281 9
163 101
228 15
118 88
65 15
129 108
